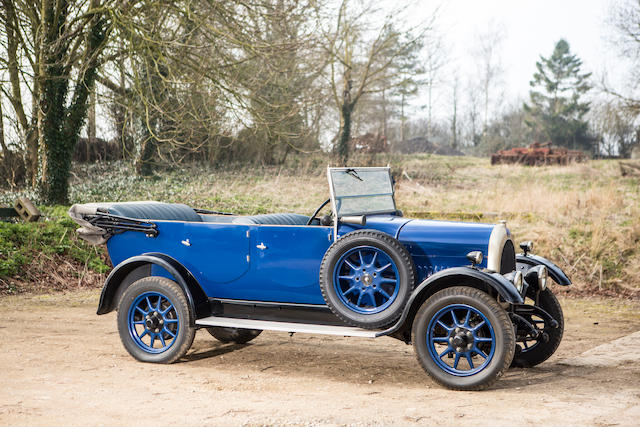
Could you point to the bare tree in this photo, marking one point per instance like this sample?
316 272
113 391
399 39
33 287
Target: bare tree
473 113
434 63
624 20
361 55
489 69
617 128
455 129
53 50
229 80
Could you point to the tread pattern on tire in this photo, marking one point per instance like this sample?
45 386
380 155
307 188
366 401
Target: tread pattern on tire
373 234
503 318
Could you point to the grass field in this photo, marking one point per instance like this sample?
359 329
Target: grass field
586 217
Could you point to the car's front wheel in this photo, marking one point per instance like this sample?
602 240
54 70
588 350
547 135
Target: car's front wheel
463 338
531 351
155 320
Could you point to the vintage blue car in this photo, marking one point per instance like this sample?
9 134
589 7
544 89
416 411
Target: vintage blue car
457 291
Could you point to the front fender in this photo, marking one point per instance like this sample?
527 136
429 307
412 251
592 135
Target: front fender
525 262
452 277
137 267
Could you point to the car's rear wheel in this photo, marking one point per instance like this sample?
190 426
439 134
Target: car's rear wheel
233 335
531 351
155 320
463 338
366 278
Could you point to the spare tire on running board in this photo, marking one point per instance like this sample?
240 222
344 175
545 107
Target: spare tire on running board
366 278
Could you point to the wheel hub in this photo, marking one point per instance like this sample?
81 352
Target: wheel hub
154 322
367 279
461 339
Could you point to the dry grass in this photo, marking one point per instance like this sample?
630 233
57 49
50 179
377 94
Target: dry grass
586 217
583 216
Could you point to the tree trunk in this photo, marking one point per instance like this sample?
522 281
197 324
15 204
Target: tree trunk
402 119
5 150
144 162
345 135
51 111
346 110
28 130
91 116
384 115
91 125
61 126
429 108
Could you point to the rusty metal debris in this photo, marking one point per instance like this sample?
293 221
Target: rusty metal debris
538 154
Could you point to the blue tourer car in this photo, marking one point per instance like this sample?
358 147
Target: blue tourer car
457 291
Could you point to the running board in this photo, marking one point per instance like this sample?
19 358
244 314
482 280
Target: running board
231 322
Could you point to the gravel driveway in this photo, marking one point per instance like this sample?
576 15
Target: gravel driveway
62 364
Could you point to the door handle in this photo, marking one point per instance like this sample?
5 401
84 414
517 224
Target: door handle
261 246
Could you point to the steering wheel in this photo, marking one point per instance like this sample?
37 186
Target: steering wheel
317 211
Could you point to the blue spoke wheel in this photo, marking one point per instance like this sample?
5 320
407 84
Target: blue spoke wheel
154 320
366 278
463 338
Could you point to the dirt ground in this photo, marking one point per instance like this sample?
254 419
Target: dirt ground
62 364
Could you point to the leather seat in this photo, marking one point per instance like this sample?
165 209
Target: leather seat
180 212
155 210
273 219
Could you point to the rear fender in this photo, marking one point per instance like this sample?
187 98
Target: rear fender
137 267
525 262
491 283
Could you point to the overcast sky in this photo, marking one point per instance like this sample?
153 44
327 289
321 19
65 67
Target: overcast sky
531 28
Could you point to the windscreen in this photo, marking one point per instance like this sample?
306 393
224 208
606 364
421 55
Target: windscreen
362 191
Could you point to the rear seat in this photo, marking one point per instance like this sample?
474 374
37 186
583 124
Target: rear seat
181 212
155 210
273 219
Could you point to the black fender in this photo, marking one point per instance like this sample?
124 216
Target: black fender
451 277
139 266
525 262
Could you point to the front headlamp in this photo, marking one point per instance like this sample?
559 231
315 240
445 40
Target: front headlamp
538 277
517 281
543 278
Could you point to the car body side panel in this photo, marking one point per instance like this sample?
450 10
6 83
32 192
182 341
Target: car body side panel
389 224
214 253
285 265
433 245
281 263
226 262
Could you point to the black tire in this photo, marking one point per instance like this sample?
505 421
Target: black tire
233 335
542 348
151 310
386 305
497 329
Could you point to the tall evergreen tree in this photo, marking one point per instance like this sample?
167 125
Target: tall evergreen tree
557 109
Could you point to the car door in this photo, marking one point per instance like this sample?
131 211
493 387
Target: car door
215 253
285 263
